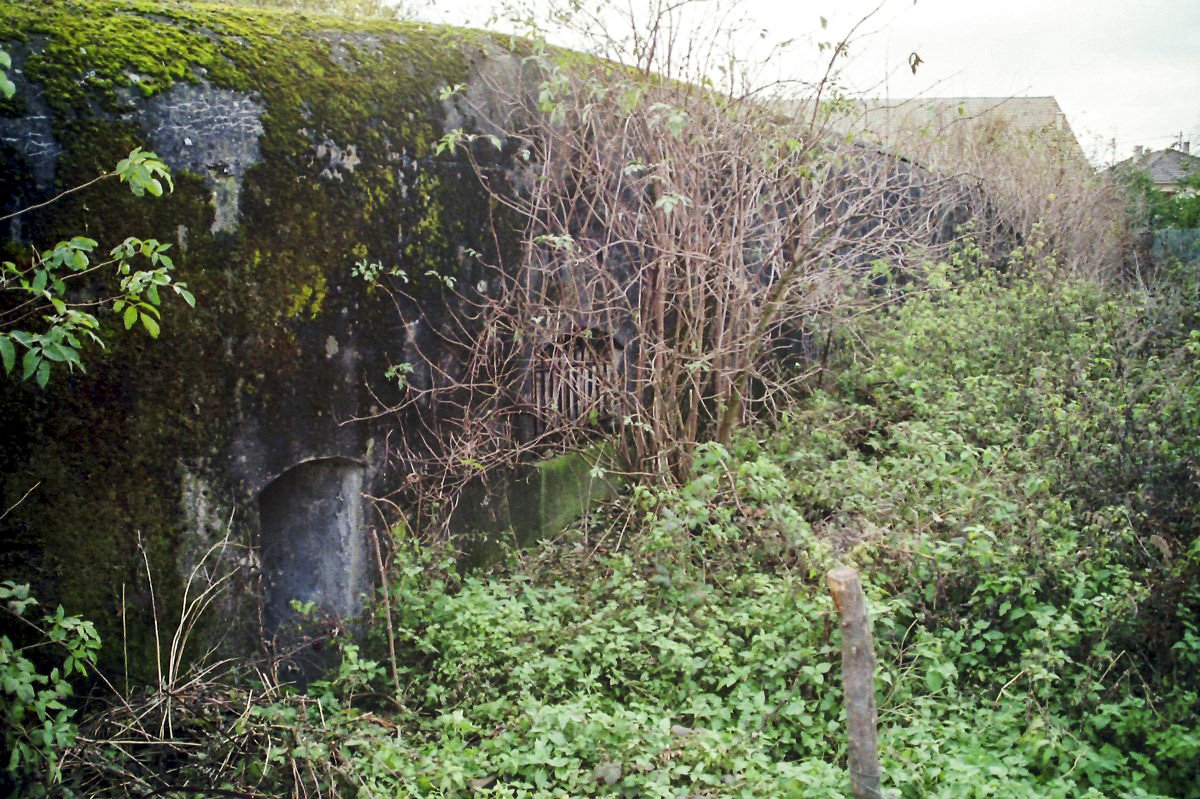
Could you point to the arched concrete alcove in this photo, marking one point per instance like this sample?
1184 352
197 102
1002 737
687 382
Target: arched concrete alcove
314 540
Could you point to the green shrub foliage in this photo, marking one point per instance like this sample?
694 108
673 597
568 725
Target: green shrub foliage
1010 457
38 663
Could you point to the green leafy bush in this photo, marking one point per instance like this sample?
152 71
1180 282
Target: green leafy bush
1017 464
35 677
1006 458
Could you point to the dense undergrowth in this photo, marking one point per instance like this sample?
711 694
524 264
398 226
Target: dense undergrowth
1011 459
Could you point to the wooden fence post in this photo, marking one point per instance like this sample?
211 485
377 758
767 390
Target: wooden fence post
858 677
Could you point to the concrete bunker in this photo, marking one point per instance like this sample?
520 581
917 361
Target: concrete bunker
314 545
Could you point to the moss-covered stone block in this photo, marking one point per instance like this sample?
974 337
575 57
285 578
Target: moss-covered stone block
530 503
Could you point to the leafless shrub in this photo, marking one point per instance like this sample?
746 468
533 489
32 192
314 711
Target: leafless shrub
678 244
1035 180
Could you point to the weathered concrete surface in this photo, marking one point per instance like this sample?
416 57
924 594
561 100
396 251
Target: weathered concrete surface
312 547
300 146
533 503
211 132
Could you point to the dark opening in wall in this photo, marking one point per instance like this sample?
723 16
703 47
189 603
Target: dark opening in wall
314 542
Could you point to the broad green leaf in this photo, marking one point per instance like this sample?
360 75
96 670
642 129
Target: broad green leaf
150 325
43 374
53 352
8 352
130 317
29 363
187 296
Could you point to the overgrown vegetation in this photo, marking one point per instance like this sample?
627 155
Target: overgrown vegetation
678 237
1008 449
1037 181
36 718
1150 207
1010 458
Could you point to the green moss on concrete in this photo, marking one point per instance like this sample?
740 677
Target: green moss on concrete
530 503
108 449
564 487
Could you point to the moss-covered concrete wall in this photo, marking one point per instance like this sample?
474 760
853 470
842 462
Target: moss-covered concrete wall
300 145
531 503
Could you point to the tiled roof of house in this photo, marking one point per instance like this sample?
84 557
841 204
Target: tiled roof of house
1165 167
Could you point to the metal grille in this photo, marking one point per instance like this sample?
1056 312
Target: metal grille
574 379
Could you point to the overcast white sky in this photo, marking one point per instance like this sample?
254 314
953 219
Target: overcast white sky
1126 72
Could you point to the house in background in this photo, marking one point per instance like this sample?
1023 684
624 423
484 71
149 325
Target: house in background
1166 168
